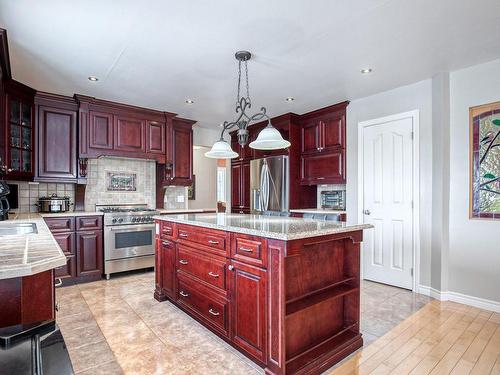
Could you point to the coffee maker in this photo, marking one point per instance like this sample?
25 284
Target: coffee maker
4 203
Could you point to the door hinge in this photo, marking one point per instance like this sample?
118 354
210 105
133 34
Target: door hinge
411 135
411 271
412 203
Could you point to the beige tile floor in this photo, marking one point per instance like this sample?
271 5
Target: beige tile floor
117 327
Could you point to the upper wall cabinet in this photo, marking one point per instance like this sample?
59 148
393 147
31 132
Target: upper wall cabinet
181 144
323 141
19 149
115 129
56 117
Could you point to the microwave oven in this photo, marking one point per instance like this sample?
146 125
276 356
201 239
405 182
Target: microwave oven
333 199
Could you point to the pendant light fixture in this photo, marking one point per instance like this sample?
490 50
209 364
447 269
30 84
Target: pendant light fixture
268 139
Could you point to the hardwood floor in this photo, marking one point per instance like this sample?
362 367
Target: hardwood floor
441 338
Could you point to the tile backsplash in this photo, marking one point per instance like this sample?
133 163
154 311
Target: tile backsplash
29 192
97 193
175 197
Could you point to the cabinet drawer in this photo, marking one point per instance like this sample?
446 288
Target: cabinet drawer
60 224
249 249
167 230
88 223
210 270
197 235
199 299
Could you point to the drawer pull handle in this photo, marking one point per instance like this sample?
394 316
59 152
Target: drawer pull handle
183 293
216 275
167 231
213 312
246 250
212 242
183 261
58 282
185 235
167 244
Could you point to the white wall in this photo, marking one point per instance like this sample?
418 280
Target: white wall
403 99
205 170
474 258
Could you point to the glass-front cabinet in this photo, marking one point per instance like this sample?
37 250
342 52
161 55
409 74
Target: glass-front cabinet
20 129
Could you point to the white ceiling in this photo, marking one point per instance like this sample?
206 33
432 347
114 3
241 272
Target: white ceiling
159 53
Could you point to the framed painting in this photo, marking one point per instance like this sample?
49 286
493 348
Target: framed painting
485 161
119 181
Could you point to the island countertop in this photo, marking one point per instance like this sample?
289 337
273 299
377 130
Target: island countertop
276 227
28 254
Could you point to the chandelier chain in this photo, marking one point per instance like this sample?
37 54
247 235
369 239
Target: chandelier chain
248 86
239 84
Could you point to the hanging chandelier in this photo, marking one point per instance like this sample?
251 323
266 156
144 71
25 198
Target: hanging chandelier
268 139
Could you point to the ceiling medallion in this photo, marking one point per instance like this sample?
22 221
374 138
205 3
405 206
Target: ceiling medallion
268 139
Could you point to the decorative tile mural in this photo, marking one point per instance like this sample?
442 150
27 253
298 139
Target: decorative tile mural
485 161
117 181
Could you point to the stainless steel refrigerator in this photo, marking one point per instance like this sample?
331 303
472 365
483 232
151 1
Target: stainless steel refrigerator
269 184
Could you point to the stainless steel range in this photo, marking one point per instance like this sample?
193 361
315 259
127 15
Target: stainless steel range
129 233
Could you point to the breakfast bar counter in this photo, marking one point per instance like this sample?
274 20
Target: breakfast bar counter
283 291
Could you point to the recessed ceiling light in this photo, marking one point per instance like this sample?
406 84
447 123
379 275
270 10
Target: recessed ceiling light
189 101
290 99
366 71
93 79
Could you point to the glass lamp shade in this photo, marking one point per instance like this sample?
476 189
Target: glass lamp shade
221 150
269 139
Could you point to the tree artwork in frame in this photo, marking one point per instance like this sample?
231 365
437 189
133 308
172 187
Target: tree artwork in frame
485 161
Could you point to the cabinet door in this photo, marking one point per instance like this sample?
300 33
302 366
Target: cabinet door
67 243
129 134
155 137
245 185
236 202
323 168
89 253
56 143
248 300
310 136
100 130
182 170
333 132
167 256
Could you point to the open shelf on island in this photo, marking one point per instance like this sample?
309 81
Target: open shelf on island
336 343
335 290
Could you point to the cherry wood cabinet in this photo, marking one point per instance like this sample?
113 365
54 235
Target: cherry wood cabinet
89 247
182 152
323 168
100 130
293 306
81 239
67 243
240 187
114 129
129 134
56 118
323 142
27 299
249 321
19 150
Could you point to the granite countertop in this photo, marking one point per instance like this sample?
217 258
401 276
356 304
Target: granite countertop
317 211
28 254
170 211
280 228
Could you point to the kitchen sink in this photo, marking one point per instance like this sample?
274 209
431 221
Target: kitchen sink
12 229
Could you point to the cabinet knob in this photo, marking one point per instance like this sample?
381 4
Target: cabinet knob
230 267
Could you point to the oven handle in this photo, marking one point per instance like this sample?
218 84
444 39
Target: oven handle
130 228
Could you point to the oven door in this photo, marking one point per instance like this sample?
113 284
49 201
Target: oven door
126 241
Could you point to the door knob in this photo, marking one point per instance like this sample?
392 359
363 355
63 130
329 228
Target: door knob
367 212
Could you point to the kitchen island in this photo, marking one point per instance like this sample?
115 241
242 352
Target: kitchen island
29 254
284 291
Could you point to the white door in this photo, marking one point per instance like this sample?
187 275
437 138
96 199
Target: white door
387 202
